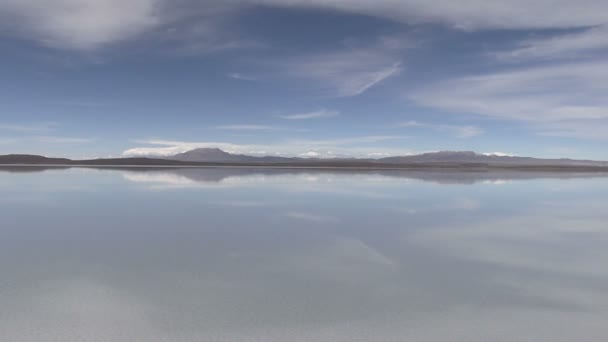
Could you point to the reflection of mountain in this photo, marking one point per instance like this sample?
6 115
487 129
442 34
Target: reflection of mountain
30 169
214 175
236 176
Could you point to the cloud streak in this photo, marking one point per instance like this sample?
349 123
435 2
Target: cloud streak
561 46
348 71
63 140
23 128
570 95
472 14
462 132
323 113
246 128
344 74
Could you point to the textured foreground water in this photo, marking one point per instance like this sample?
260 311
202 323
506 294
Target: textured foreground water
288 255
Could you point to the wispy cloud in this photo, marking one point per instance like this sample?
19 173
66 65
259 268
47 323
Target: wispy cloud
247 127
63 140
242 77
322 113
187 27
542 96
349 71
91 24
310 217
344 74
458 131
32 127
560 46
471 15
7 141
368 139
580 129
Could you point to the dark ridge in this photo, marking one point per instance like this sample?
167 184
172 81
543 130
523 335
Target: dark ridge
218 158
31 159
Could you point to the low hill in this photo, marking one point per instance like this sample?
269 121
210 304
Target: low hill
31 159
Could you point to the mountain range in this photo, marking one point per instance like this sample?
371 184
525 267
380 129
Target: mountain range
218 157
460 157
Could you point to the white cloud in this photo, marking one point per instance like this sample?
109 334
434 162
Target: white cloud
462 132
581 129
91 24
310 154
322 113
78 24
63 140
566 99
471 14
242 77
560 46
247 127
499 154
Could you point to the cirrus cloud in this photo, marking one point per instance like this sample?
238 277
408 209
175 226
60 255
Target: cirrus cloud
322 113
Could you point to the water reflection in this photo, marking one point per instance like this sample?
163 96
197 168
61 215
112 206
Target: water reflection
300 255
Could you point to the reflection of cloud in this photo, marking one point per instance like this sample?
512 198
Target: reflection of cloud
345 258
358 183
438 206
75 311
161 180
314 218
496 182
466 204
243 204
217 276
534 241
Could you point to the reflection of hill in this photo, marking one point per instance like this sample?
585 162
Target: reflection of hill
217 175
30 169
214 175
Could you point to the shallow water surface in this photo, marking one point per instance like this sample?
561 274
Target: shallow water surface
302 255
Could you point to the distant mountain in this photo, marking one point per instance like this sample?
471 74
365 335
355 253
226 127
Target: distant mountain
209 155
469 157
217 157
31 159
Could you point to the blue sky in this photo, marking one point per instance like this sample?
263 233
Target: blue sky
99 78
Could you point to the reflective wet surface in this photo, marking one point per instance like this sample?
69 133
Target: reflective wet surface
302 255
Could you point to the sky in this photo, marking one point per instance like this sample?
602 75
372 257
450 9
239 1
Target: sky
317 78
